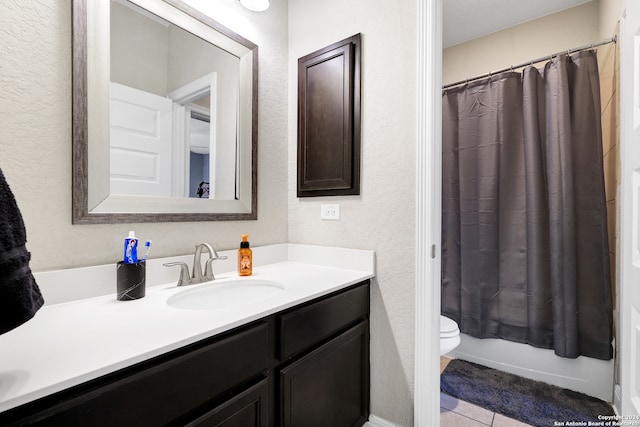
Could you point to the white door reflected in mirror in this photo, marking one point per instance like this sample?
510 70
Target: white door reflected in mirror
140 142
165 103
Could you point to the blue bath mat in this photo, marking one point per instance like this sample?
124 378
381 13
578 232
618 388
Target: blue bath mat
532 402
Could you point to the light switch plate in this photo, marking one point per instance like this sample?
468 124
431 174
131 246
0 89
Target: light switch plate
330 212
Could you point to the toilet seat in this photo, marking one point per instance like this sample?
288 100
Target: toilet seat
448 328
449 335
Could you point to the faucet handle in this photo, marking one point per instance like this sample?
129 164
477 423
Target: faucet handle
208 267
215 255
184 272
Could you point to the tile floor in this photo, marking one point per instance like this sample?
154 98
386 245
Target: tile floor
458 413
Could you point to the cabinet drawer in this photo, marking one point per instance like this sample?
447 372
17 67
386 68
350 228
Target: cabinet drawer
302 328
161 392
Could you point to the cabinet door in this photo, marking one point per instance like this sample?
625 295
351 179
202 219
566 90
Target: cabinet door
329 120
329 387
247 409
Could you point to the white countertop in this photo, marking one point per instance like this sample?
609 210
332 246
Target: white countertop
69 343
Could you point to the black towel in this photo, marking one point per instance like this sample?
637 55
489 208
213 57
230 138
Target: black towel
20 296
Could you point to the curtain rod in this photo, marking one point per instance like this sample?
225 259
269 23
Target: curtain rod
535 61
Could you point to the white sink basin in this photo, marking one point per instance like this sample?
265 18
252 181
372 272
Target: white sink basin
223 295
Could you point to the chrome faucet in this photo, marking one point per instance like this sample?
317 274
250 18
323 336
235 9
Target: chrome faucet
197 275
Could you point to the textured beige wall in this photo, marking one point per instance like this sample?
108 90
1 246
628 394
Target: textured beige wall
609 13
609 68
35 138
553 33
382 218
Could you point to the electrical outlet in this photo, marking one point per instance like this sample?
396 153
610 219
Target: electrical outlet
331 212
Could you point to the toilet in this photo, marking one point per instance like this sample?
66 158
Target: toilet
449 335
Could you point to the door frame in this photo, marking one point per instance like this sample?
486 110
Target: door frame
182 107
428 213
626 396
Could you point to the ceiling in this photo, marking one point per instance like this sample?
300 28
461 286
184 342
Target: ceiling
465 20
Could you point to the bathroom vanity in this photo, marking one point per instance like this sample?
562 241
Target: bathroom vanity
284 360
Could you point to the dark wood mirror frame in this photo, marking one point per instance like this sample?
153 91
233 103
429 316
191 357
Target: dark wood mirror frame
329 120
80 131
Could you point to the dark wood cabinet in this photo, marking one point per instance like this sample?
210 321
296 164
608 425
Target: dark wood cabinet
305 366
329 120
330 385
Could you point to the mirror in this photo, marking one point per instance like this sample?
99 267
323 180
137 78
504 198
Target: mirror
164 115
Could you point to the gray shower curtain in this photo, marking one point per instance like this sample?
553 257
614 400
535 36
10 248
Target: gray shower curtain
525 253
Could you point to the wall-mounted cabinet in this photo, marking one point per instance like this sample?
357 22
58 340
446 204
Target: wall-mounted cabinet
307 364
329 120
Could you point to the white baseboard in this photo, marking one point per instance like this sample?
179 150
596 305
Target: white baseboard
379 422
617 399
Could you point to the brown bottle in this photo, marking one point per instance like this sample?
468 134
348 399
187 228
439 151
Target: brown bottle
245 257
